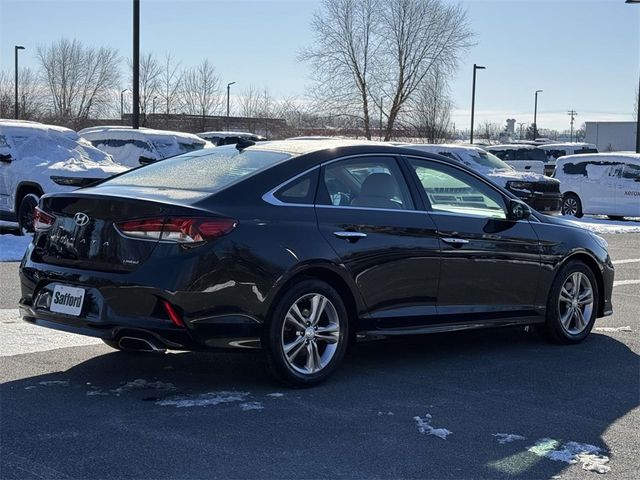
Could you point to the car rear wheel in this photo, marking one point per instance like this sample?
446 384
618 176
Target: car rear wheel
25 213
573 304
571 205
307 334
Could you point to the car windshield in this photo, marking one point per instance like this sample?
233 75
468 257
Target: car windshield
487 160
208 171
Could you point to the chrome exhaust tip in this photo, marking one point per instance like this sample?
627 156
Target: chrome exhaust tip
139 344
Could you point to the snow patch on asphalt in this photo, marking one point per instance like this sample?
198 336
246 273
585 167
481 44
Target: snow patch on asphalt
380 414
54 383
275 395
507 437
251 406
424 427
142 384
613 329
203 399
12 247
572 452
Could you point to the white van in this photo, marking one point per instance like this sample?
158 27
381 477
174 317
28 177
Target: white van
600 184
557 150
36 159
525 157
134 147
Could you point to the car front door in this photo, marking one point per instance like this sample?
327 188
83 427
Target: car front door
628 191
490 264
367 214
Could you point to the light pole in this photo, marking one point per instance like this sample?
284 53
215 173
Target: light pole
228 95
473 98
535 116
122 102
638 114
135 113
16 107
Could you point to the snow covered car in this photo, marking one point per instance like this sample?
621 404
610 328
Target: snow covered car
557 150
36 159
230 138
132 148
524 157
538 191
600 184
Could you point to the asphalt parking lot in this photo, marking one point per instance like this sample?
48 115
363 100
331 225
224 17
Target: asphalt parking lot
86 411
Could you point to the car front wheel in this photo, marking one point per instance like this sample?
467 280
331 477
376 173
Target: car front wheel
573 304
25 213
306 338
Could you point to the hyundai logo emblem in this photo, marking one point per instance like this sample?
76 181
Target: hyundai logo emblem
81 219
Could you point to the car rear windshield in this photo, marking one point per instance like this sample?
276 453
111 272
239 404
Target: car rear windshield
488 160
209 170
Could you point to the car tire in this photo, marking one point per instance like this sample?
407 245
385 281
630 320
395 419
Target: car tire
571 205
569 321
303 348
25 213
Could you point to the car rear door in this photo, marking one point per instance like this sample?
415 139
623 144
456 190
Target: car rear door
490 265
367 213
628 191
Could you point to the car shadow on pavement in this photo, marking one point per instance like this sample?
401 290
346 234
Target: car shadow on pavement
115 414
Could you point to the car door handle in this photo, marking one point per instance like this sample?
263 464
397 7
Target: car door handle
350 236
455 241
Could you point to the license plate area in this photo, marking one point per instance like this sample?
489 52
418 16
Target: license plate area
67 300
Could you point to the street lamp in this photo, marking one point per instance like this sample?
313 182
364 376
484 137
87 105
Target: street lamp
638 114
535 116
135 111
228 92
473 97
15 110
122 102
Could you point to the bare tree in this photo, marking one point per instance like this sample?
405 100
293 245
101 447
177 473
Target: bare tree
78 78
6 94
30 95
489 130
419 36
170 80
201 90
150 78
430 109
343 53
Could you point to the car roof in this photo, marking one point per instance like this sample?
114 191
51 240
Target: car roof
622 157
433 147
298 147
511 146
24 127
124 132
551 146
229 134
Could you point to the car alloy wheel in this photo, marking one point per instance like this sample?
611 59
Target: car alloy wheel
310 333
575 303
570 206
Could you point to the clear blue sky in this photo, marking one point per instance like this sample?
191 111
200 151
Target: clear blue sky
584 54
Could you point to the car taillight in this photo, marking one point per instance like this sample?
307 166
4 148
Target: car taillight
177 229
42 221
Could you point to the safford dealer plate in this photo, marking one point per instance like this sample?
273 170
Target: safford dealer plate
67 300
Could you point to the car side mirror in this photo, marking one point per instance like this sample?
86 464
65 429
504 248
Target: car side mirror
6 158
145 160
518 210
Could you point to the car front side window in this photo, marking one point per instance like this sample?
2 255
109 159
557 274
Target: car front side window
449 190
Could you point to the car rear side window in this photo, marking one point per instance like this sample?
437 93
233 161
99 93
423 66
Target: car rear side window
450 190
366 182
301 190
208 170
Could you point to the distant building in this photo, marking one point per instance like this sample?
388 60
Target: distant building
611 136
510 129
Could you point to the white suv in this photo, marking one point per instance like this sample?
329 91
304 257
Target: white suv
600 184
36 159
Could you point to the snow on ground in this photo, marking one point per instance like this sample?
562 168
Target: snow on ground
613 329
605 225
203 399
251 406
572 452
424 427
507 437
12 247
275 395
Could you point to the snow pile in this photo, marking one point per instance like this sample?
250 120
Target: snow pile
204 399
572 452
251 406
601 225
424 427
613 329
507 437
275 395
12 247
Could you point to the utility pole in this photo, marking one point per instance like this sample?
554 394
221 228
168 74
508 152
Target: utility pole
16 107
535 116
473 98
572 114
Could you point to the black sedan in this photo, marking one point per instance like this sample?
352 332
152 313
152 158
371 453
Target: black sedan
297 247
